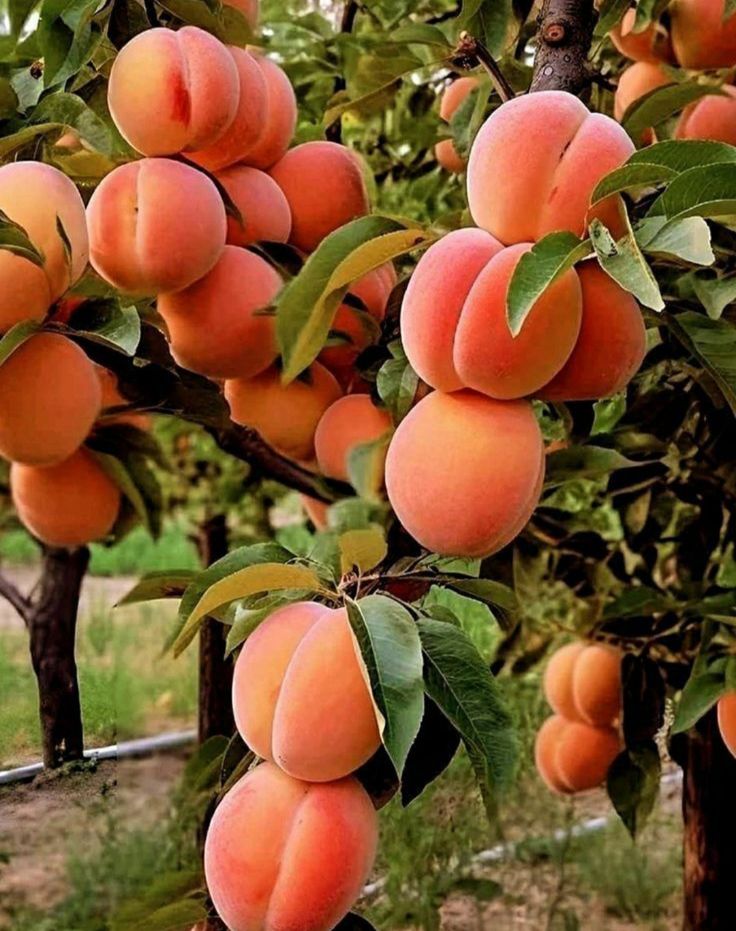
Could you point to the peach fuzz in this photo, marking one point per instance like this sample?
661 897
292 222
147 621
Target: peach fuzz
651 44
49 400
348 422
452 98
217 326
611 345
434 300
286 416
281 114
34 195
323 183
713 117
71 503
700 36
726 711
284 854
535 162
485 354
250 117
173 91
301 696
635 82
155 225
264 209
582 682
464 472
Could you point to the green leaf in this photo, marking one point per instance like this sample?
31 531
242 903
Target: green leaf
366 464
681 154
392 653
13 238
107 322
467 119
431 753
491 21
487 591
362 549
713 343
397 382
71 111
624 262
228 24
631 176
660 104
702 691
633 785
610 14
687 239
16 336
169 583
117 470
419 34
578 462
715 294
461 685
706 191
307 306
548 259
247 619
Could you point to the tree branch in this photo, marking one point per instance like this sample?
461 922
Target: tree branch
563 42
470 50
349 13
15 597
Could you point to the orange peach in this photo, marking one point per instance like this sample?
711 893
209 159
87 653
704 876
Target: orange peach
49 400
71 503
452 98
286 416
727 720
611 344
40 199
582 682
278 130
218 326
635 82
701 37
348 422
545 753
584 755
652 44
557 683
281 853
173 91
264 209
324 185
155 225
535 162
300 694
316 511
463 472
712 117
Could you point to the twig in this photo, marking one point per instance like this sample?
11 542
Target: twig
564 38
470 50
14 596
349 12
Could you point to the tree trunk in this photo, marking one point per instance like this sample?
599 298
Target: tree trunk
215 672
709 813
52 625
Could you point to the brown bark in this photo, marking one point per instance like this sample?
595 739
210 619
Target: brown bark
563 43
52 624
709 813
215 671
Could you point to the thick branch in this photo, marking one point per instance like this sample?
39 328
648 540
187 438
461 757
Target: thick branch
16 598
563 42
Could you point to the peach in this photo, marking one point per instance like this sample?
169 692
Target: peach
316 511
611 345
218 326
700 36
264 209
712 117
286 416
37 197
584 755
250 117
323 183
634 82
727 720
464 472
582 682
155 225
485 354
557 682
545 752
452 98
434 299
284 854
349 422
300 694
535 162
71 503
111 397
49 400
278 130
651 44
173 91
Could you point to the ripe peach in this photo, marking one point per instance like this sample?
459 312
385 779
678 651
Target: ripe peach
316 511
323 183
634 82
545 752
582 682
452 98
700 36
264 209
712 117
348 422
485 354
611 344
111 397
434 300
463 472
301 696
155 225
250 117
557 683
278 130
651 44
49 400
281 853
584 755
727 720
70 503
173 91
286 416
217 326
38 197
535 163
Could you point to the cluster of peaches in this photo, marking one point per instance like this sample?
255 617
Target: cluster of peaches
293 842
